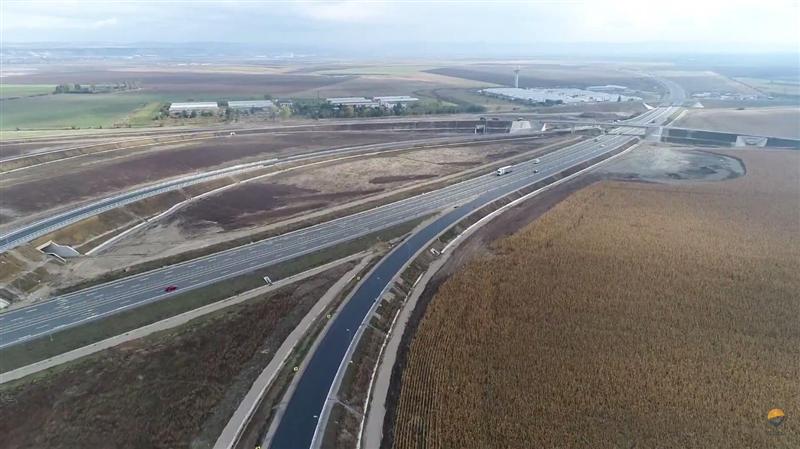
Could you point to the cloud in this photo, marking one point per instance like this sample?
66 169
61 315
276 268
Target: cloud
412 23
346 11
13 21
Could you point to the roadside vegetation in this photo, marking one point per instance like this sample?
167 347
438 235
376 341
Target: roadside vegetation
173 389
630 315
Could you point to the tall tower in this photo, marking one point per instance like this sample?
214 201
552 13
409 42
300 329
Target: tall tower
516 77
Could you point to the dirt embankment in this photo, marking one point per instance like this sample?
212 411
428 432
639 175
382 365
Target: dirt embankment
172 390
631 314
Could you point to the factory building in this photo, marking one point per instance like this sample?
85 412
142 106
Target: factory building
259 105
607 88
195 106
391 100
352 101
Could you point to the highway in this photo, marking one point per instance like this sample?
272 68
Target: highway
94 303
301 423
52 223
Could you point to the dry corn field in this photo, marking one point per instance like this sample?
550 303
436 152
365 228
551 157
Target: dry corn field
631 315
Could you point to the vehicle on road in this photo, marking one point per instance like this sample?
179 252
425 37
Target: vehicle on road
503 170
536 161
170 288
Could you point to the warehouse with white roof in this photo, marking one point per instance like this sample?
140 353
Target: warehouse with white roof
251 104
193 106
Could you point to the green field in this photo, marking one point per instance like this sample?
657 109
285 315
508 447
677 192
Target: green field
65 111
25 90
144 115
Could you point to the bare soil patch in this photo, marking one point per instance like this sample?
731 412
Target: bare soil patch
291 193
398 178
630 315
255 202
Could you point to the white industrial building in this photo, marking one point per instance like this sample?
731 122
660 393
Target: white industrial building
391 100
251 104
195 106
351 101
564 95
607 88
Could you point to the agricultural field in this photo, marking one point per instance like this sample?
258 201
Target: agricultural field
126 108
773 87
706 81
773 121
549 75
25 90
629 315
64 111
173 389
167 84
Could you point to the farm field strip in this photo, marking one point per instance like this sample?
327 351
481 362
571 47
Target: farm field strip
623 298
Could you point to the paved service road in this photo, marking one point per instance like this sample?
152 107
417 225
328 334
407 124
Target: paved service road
306 407
27 323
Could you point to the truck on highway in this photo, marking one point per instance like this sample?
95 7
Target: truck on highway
503 170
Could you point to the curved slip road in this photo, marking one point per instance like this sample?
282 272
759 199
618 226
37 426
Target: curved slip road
300 425
31 322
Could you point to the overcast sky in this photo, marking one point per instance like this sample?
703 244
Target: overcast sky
764 25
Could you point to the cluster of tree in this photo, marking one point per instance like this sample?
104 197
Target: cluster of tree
95 88
319 109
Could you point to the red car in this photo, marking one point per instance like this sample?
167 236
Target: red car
171 288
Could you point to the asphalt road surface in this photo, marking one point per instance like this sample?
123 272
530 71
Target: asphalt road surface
27 233
35 321
306 409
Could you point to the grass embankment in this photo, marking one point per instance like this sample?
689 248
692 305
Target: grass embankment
174 389
630 315
66 340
